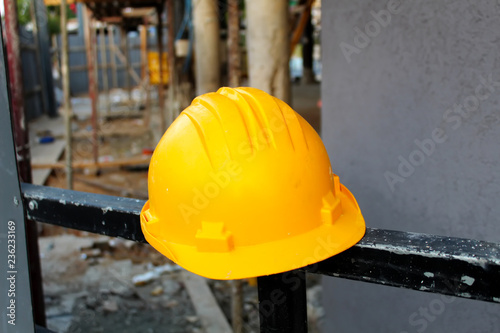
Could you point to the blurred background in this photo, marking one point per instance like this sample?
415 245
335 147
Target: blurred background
404 95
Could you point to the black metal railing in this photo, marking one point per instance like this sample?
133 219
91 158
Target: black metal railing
427 263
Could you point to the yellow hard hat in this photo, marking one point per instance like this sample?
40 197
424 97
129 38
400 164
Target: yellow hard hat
240 185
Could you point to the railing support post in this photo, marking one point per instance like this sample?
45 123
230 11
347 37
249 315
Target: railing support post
16 302
282 303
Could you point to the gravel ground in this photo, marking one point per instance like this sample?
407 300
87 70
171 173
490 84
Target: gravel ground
89 288
99 284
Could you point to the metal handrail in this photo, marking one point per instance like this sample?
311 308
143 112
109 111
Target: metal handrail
446 265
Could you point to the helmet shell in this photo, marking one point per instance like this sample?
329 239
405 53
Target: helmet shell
240 185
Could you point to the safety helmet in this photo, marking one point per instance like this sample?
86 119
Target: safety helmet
240 185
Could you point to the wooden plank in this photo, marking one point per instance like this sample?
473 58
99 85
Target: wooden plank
115 131
122 191
45 154
79 68
77 49
49 152
91 164
207 308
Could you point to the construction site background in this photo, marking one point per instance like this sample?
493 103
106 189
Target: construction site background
96 100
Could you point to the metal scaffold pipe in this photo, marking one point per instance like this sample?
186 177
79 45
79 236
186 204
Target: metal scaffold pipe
67 105
89 35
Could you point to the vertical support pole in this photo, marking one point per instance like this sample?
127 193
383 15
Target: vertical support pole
89 47
104 68
124 42
237 306
44 46
30 276
144 44
282 303
145 71
16 89
233 43
171 61
34 21
66 99
161 97
57 56
299 30
307 53
206 33
267 29
93 39
112 57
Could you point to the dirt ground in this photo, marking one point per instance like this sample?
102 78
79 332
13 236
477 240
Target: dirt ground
99 284
93 283
89 287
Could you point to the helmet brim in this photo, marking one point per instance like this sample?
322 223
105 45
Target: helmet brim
269 258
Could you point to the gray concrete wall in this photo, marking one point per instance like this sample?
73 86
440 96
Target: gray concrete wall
431 74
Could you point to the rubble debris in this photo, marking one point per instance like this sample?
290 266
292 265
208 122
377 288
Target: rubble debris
170 304
171 286
315 310
59 310
121 289
157 291
90 253
92 302
155 273
110 306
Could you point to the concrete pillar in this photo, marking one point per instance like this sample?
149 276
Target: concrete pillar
268 45
206 32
